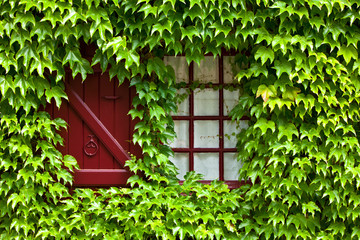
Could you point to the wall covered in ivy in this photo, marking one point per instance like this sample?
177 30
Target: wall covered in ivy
298 68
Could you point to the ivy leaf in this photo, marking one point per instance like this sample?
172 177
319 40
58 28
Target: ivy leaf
255 69
41 85
334 29
264 53
83 68
156 111
194 12
318 22
149 9
264 125
246 16
57 93
282 66
220 28
156 65
42 30
6 83
52 17
288 130
28 52
72 56
266 91
65 31
101 58
20 36
348 53
24 19
189 32
101 27
291 93
21 83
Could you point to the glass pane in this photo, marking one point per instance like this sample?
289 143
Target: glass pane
182 132
206 102
180 66
232 128
208 71
230 69
207 164
231 166
231 98
206 134
181 161
183 105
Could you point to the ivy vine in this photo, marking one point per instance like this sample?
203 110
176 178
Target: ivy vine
299 68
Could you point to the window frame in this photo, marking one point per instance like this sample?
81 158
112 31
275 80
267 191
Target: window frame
221 118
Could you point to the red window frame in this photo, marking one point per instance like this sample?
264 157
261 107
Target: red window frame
221 118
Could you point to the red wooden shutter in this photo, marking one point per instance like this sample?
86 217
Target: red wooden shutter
99 130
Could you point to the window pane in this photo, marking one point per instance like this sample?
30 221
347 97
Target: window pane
208 71
206 134
183 105
231 98
181 161
231 166
206 102
182 132
207 164
230 69
232 128
180 66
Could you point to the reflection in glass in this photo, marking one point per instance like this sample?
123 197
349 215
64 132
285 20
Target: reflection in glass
183 105
231 98
181 128
181 161
206 134
180 66
232 128
231 166
208 71
207 164
230 69
206 102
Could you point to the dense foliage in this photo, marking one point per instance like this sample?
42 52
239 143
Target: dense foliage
299 70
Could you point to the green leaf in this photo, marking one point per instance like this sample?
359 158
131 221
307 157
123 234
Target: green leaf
264 53
42 30
52 17
6 83
24 19
220 28
72 56
28 53
266 91
156 65
20 36
348 53
264 125
70 162
288 130
282 66
291 93
57 93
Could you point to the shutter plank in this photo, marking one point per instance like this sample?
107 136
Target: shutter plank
97 126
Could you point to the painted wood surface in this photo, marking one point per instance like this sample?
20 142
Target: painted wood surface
99 129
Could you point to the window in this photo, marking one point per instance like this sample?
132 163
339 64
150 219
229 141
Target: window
206 141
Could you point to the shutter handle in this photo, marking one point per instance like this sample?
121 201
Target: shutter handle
111 97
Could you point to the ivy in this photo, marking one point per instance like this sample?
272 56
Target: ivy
298 68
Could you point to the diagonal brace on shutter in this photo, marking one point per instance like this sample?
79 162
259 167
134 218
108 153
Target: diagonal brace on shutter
97 126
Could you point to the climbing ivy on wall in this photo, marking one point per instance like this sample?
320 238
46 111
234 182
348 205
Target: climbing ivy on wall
299 72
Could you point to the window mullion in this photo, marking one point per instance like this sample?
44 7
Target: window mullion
191 121
221 122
